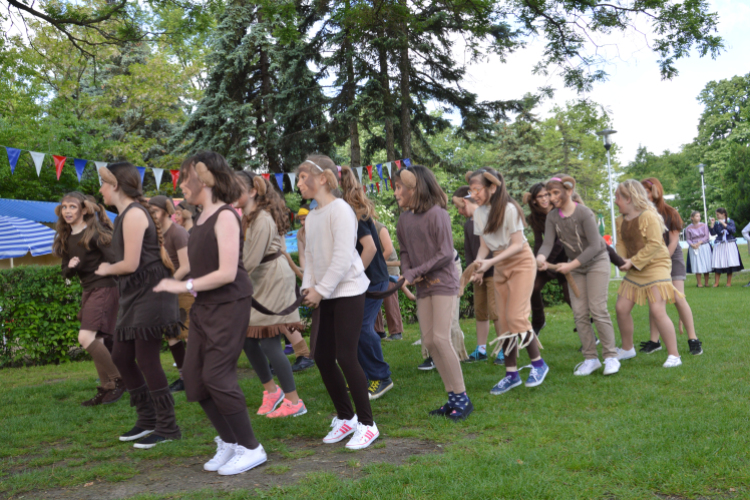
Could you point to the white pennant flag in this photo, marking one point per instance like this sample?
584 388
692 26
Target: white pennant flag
158 172
292 177
359 173
100 164
38 160
388 166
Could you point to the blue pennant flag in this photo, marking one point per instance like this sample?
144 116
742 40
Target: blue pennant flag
142 171
380 169
372 187
385 183
79 165
280 181
13 154
407 162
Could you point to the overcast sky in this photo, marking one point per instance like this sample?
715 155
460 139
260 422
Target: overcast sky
661 115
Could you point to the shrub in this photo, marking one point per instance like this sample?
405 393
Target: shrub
38 316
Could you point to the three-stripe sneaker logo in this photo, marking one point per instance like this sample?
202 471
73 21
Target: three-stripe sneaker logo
344 429
369 434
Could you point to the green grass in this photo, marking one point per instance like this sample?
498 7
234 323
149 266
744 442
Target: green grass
644 432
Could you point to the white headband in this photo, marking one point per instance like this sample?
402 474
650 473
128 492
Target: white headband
315 164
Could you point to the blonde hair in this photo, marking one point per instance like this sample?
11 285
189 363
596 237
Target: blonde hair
636 193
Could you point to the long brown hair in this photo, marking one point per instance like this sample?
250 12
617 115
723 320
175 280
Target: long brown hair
670 215
129 182
537 218
355 196
427 191
95 217
499 201
266 199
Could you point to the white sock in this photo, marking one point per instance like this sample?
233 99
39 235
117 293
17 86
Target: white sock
483 348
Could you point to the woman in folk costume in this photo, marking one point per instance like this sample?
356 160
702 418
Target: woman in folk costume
726 256
698 238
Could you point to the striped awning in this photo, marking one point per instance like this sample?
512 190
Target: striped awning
21 236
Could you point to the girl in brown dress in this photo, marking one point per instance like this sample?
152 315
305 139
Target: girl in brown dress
144 317
220 315
84 234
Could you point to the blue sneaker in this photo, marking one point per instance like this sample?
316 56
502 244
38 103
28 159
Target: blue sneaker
476 356
537 375
505 384
500 359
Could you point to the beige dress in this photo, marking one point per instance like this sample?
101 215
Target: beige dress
273 281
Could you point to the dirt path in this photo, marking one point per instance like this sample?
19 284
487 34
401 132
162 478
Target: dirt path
303 458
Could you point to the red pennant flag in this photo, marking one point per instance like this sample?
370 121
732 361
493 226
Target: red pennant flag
377 185
59 163
266 176
364 189
175 177
398 164
369 171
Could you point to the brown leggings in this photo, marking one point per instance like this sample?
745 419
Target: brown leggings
435 313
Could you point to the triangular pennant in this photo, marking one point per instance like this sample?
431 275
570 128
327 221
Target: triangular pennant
280 181
59 164
100 164
142 171
158 172
292 178
387 166
38 161
175 176
369 171
79 165
359 173
364 189
13 154
398 164
379 166
385 183
377 185
407 162
266 176
372 187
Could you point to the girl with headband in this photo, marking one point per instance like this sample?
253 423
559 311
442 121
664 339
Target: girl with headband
499 222
219 317
574 225
673 223
264 223
335 282
145 317
640 239
426 240
84 234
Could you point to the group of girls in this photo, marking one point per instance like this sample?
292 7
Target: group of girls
723 258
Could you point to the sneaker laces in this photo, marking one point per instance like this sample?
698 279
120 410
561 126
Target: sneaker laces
374 385
238 452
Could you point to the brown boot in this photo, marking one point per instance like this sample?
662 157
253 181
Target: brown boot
101 392
115 394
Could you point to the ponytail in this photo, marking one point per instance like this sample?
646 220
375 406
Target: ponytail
155 217
354 195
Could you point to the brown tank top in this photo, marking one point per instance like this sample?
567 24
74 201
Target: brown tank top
150 249
632 237
203 254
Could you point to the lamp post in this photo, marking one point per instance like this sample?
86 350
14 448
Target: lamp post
607 138
701 167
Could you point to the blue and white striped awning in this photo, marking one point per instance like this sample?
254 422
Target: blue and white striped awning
21 236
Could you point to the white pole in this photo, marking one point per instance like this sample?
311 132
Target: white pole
703 189
612 209
11 262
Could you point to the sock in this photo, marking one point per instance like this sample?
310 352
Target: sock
178 353
513 375
538 363
301 349
482 348
104 366
458 401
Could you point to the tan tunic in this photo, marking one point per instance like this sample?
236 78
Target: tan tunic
273 282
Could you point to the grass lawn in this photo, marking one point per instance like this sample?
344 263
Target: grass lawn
647 432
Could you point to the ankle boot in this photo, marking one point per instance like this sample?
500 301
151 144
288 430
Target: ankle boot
144 408
166 422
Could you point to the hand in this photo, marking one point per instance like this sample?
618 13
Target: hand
713 221
477 278
482 266
565 267
74 262
626 266
723 222
541 263
170 285
103 269
312 298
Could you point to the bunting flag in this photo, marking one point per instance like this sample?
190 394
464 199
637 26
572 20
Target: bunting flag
359 173
175 176
158 172
372 187
387 166
407 162
398 164
292 179
385 183
100 164
377 185
379 166
79 165
280 181
38 160
266 176
364 189
13 154
142 171
59 164
369 171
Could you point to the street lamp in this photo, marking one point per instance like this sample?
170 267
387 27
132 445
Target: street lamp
701 166
607 138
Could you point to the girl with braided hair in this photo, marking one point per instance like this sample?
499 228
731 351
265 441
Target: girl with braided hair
84 234
144 317
264 222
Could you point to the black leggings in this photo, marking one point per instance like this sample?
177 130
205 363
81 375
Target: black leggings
137 359
336 347
260 351
537 303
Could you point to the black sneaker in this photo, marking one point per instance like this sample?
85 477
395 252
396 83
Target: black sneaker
150 442
428 364
379 387
695 346
397 336
381 335
649 347
457 414
442 411
135 433
302 363
745 286
177 386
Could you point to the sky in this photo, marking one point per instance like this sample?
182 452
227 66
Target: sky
660 115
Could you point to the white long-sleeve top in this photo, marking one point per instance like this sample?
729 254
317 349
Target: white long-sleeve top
332 264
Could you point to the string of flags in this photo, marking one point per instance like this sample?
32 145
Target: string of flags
79 164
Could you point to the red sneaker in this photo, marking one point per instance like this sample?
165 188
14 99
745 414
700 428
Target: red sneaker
287 409
271 401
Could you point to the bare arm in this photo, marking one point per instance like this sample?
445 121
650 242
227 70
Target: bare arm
301 253
184 269
368 250
385 241
134 227
674 240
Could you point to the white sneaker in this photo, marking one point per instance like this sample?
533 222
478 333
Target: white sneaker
364 436
587 367
611 366
672 361
341 429
622 354
243 460
224 453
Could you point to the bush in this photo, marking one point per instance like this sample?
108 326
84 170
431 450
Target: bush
38 316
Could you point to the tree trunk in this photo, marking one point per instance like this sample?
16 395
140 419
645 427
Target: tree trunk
266 100
405 94
387 106
355 151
